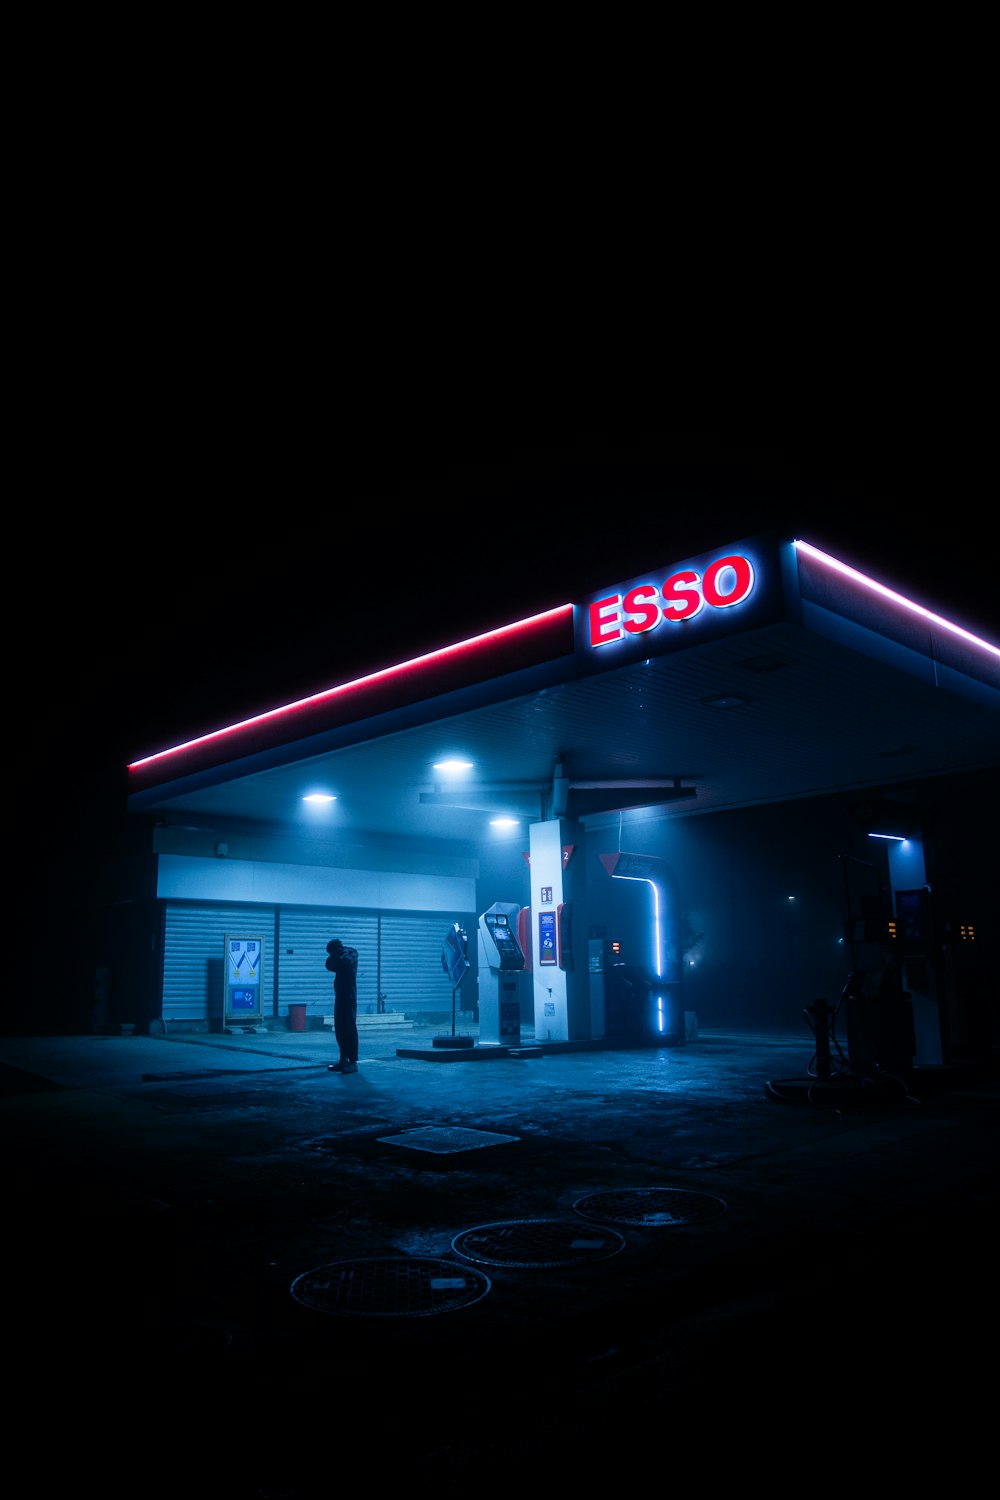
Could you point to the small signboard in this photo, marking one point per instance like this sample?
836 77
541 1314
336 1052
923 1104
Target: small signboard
243 1001
546 937
455 954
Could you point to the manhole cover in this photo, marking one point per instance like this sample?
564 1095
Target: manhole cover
444 1140
390 1287
650 1206
537 1242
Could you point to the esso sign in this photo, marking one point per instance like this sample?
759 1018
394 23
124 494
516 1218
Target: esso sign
724 583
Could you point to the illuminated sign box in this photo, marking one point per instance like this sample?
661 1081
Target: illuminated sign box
684 604
243 1004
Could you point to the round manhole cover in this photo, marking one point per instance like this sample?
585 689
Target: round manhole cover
390 1287
537 1242
650 1206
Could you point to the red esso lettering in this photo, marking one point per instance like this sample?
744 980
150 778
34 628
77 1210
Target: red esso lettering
727 581
641 609
681 599
605 620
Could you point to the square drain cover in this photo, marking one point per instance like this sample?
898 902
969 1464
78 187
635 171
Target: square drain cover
444 1140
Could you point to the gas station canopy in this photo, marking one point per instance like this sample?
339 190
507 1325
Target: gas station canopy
763 671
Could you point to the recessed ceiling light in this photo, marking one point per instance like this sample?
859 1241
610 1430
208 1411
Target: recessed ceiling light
504 822
319 797
451 766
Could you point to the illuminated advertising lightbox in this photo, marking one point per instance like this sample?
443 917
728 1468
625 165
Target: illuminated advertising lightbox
546 937
243 1000
736 588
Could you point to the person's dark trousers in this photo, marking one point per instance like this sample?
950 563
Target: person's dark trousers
345 1028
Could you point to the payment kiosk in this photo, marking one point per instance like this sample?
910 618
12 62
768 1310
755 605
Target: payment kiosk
501 960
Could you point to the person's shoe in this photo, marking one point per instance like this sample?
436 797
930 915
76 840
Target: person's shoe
337 1067
349 1067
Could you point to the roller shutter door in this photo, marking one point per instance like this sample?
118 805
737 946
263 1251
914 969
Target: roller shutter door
399 956
194 957
303 933
412 977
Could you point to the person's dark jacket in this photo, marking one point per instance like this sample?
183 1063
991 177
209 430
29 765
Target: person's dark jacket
342 962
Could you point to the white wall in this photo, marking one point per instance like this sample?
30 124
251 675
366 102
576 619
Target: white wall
187 878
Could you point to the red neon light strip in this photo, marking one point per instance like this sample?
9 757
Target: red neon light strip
403 670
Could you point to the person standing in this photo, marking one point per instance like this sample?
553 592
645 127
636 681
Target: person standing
342 962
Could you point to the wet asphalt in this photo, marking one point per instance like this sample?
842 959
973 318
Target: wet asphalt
230 1269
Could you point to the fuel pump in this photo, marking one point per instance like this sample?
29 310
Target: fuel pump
645 1002
628 997
880 1031
501 959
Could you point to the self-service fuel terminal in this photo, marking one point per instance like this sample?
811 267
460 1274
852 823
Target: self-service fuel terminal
501 960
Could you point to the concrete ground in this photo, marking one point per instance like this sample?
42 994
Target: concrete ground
232 1270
